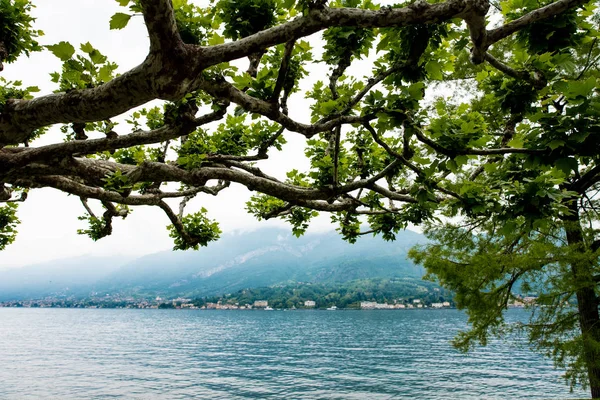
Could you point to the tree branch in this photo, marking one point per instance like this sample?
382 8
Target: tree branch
540 14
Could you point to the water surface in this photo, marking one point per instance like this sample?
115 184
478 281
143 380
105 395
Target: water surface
176 354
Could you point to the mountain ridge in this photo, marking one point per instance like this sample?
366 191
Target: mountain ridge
263 257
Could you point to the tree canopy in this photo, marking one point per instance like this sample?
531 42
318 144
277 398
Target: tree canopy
481 112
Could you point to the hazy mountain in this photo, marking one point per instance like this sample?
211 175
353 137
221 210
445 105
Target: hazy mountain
243 260
266 257
66 276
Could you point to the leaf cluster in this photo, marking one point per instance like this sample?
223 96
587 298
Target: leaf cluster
8 224
198 227
16 33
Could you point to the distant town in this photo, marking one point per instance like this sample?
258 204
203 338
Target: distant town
200 304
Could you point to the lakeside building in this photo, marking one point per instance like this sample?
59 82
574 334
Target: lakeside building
372 305
309 303
367 305
522 302
261 303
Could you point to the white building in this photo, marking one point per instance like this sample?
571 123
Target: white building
309 303
261 303
368 305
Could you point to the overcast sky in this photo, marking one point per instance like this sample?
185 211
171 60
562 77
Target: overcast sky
49 217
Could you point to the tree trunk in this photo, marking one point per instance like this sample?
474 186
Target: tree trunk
587 302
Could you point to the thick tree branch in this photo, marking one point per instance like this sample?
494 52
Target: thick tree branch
226 91
173 69
475 19
317 19
587 180
540 14
161 25
470 151
57 151
537 80
283 70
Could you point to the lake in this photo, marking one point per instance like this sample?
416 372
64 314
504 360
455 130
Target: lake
177 354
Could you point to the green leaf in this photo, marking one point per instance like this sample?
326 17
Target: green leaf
582 88
481 75
87 47
452 166
516 143
434 70
216 39
105 73
555 144
97 57
63 50
566 164
416 90
119 21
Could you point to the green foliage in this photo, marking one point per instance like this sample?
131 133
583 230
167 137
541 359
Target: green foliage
8 224
347 295
348 225
119 20
234 137
264 206
409 43
516 96
194 23
16 33
117 182
299 218
456 128
83 71
132 155
550 35
96 227
263 85
14 90
490 265
200 229
246 17
343 43
387 225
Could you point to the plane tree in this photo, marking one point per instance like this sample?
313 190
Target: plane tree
472 111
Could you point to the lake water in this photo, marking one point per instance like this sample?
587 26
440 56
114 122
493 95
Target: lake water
176 354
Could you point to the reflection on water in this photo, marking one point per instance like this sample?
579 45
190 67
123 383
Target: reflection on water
98 354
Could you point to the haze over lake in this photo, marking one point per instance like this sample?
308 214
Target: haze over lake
97 354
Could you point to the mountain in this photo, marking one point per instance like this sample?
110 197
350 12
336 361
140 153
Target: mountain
66 276
260 258
265 257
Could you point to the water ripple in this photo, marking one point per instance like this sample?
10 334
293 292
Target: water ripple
141 354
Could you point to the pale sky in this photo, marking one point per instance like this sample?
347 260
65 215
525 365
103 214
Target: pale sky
49 218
